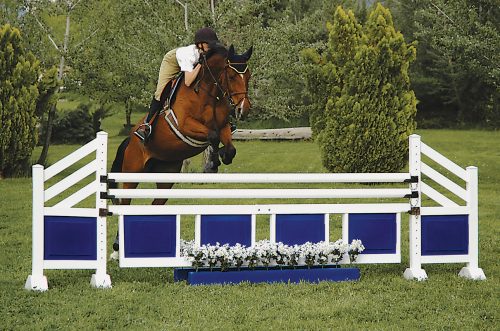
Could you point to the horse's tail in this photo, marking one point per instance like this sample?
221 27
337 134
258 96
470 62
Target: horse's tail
118 161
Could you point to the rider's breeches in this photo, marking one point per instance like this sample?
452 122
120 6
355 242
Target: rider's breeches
168 70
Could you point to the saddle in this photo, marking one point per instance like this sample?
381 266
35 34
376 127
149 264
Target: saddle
171 91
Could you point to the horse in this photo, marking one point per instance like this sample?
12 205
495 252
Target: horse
201 119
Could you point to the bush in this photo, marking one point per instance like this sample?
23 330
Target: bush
371 109
74 127
18 96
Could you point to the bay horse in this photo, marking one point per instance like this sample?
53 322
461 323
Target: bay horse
202 114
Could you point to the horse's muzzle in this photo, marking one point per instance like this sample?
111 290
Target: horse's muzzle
242 109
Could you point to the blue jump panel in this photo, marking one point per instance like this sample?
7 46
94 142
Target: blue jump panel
150 235
445 235
297 229
377 232
70 238
314 275
226 229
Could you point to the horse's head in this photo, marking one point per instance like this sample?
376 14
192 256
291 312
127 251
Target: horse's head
237 77
229 71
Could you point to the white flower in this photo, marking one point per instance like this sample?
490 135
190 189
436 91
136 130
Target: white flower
265 253
355 248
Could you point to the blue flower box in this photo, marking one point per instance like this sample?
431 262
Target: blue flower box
262 275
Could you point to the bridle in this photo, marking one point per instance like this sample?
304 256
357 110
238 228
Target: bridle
240 68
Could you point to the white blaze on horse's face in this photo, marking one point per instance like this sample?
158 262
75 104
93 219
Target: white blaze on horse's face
238 89
240 76
243 107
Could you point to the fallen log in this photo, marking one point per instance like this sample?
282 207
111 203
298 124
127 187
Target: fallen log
301 133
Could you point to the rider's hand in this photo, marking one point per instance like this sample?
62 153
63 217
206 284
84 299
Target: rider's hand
201 59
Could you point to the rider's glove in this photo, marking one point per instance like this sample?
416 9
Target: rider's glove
201 59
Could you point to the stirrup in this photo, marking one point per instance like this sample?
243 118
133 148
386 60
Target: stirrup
233 127
143 131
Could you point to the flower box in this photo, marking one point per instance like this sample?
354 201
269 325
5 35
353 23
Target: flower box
263 275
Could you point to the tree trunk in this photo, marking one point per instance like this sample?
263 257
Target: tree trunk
128 114
50 118
185 6
212 9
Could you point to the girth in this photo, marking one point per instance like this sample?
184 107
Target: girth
174 126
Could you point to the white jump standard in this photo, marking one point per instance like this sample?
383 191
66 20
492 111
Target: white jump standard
69 237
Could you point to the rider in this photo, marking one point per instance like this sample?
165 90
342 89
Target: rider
184 59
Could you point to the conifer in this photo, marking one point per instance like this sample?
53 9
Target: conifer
18 99
371 109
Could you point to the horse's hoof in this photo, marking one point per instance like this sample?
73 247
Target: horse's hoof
115 256
227 156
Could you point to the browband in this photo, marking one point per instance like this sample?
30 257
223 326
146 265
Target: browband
240 68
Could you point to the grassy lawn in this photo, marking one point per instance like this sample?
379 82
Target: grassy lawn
148 298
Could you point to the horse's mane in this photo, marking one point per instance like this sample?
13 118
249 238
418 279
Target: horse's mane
216 48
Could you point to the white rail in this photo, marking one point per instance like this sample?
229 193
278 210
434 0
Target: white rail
260 209
71 159
259 193
259 178
443 161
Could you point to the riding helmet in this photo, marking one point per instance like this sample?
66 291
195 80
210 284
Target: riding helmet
205 35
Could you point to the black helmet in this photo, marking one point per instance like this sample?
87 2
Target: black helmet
205 35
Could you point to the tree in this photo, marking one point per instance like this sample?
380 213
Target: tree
371 109
18 97
464 38
120 62
46 27
456 76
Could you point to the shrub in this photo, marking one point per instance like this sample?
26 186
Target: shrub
371 109
74 127
18 97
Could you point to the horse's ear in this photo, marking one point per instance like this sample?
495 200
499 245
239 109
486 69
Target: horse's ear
231 51
248 53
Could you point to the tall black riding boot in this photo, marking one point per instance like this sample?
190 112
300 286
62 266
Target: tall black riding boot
144 130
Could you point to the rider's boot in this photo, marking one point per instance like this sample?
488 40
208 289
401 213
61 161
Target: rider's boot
144 130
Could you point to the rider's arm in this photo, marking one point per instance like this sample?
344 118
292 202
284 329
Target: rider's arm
190 76
187 58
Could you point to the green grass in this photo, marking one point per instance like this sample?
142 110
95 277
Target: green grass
149 299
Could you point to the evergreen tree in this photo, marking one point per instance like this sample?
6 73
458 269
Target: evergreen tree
456 76
371 109
18 98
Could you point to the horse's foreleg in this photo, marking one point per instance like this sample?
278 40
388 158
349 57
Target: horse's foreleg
195 129
228 152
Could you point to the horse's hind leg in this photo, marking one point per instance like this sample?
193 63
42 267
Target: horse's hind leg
164 167
128 159
116 243
128 186
165 186
213 163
